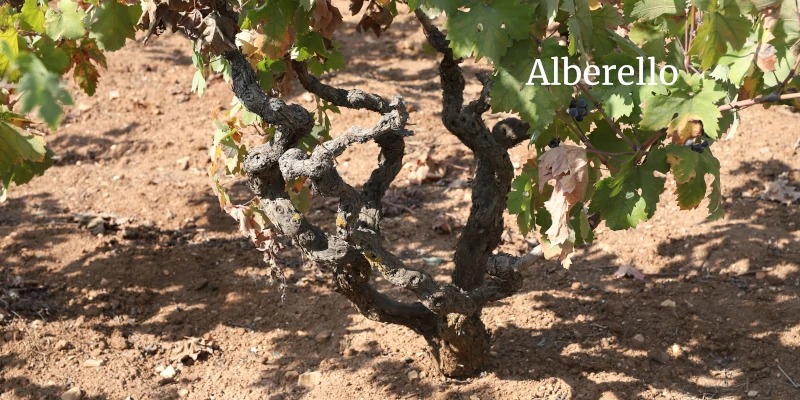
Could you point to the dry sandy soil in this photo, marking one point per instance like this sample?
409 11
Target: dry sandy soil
172 266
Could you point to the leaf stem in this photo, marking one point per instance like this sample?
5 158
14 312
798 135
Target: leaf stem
648 144
579 132
614 127
789 77
686 41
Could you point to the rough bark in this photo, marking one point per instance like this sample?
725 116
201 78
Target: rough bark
448 316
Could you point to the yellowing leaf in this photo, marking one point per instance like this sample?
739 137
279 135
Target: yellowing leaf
327 18
568 165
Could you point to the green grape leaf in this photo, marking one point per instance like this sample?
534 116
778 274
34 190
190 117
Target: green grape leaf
689 169
604 20
9 49
550 10
692 98
307 4
198 83
274 36
521 199
652 9
54 58
301 199
580 230
631 196
616 100
651 38
67 23
227 146
448 6
487 30
23 172
32 17
580 25
534 103
113 23
715 33
41 89
17 147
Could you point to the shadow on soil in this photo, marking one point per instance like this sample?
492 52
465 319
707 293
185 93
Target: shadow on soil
171 284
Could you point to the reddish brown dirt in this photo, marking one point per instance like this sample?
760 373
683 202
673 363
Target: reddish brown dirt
569 334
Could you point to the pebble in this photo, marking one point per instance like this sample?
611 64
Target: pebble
752 393
659 356
72 394
474 397
309 379
93 363
322 337
118 341
413 375
638 339
676 350
291 375
168 373
183 393
668 303
62 345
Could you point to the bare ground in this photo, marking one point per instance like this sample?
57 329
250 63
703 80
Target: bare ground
175 267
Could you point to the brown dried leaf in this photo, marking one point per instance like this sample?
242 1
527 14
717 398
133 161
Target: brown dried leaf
285 86
355 6
781 192
444 223
424 169
376 18
192 348
629 270
327 18
214 37
568 165
767 57
254 224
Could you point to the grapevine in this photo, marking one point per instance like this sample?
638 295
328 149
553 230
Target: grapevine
603 148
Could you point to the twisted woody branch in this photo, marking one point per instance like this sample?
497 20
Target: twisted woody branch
448 316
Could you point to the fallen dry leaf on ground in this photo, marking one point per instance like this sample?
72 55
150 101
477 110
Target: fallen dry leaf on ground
629 270
568 165
192 348
444 223
424 169
781 192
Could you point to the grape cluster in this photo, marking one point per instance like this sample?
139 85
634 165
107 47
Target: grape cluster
698 147
578 109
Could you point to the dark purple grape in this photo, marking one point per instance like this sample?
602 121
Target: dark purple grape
582 111
579 118
689 142
554 142
572 104
704 143
697 147
573 112
582 103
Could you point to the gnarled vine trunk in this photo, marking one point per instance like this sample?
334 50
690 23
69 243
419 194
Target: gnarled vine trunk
447 316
